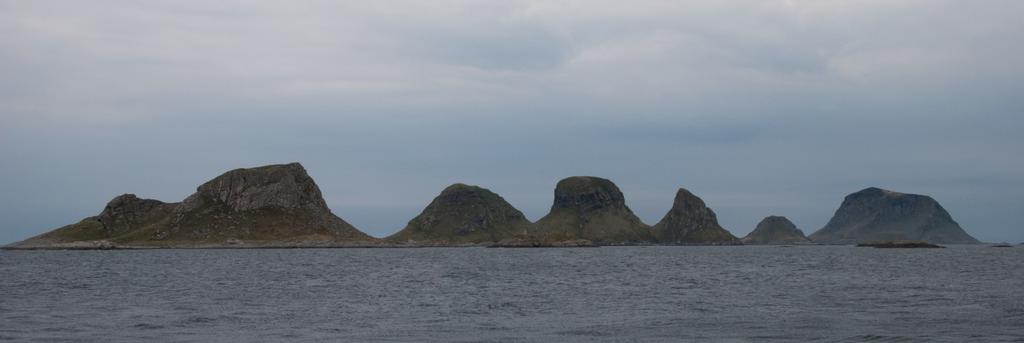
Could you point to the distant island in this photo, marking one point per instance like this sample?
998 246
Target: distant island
876 214
280 206
776 230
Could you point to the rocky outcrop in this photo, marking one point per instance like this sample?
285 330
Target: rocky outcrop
284 186
775 230
123 215
690 221
593 209
875 214
465 214
269 205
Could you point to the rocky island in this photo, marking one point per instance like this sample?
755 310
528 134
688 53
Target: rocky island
875 214
691 222
464 214
776 230
594 209
269 206
899 245
280 206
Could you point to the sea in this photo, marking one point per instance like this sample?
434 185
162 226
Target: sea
606 294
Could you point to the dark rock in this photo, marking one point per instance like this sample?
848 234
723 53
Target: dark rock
283 186
127 212
690 221
465 214
591 208
775 230
274 205
1002 245
269 203
875 214
123 215
899 244
532 243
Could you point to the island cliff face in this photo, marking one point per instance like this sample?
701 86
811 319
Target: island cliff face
875 214
464 214
269 205
775 230
690 221
591 208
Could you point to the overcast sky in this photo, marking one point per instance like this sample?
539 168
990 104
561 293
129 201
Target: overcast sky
760 107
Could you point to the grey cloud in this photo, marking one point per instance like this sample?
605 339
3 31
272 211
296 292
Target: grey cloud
759 107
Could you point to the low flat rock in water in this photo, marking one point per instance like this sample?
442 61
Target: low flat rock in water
899 244
527 243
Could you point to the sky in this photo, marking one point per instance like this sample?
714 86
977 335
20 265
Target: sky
759 107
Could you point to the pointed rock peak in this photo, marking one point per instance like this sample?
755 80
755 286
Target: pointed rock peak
686 201
587 193
690 221
776 230
285 186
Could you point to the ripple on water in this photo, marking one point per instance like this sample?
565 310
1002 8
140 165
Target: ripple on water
577 295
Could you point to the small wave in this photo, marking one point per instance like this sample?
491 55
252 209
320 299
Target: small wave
147 326
586 333
878 338
196 320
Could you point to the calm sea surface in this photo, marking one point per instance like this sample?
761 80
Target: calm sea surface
963 293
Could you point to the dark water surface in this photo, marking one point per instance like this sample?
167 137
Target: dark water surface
963 293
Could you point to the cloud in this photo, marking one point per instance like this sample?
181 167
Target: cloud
763 107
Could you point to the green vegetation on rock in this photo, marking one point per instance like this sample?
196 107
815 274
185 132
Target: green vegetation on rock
594 209
776 230
269 205
875 214
464 214
690 221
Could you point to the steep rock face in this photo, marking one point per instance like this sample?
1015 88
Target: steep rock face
285 186
265 204
591 208
776 230
690 221
875 214
465 214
